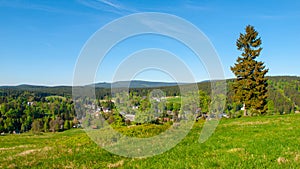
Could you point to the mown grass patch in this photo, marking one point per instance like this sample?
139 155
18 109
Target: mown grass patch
144 131
176 99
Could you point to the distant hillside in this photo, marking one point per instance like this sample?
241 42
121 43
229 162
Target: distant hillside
41 91
119 84
284 91
135 84
102 89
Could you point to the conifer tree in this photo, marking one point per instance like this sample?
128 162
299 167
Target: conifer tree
250 85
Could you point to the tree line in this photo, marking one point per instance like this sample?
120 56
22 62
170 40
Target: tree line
25 111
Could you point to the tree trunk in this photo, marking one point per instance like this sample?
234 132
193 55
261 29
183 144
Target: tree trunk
245 111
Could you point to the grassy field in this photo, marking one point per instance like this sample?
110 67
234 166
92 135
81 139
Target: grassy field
174 99
254 142
55 97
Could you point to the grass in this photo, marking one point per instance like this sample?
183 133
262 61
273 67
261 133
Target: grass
174 99
143 131
254 142
56 97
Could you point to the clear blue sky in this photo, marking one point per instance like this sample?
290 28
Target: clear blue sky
41 40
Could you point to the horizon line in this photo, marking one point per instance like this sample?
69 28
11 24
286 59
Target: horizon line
110 82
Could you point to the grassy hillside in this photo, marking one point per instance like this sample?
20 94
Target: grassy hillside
256 142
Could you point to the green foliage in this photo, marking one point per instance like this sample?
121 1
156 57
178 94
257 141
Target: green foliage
46 126
143 117
36 126
176 106
54 125
250 86
169 106
271 106
204 101
108 104
18 109
66 125
284 92
216 106
87 120
118 120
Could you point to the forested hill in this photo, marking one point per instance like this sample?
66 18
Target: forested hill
134 84
103 88
25 107
284 91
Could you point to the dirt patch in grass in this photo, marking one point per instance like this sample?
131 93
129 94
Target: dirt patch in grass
247 123
297 157
116 165
12 148
47 148
24 153
281 160
12 166
233 150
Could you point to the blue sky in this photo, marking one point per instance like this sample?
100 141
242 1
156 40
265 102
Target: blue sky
40 41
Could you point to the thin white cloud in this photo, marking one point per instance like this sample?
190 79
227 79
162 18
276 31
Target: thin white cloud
90 4
31 6
108 6
40 7
111 4
195 6
161 26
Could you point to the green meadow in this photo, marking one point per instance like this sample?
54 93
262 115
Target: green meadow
249 142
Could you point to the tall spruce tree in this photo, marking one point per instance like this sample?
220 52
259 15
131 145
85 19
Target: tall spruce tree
250 85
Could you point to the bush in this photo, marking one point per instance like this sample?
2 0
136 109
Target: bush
36 127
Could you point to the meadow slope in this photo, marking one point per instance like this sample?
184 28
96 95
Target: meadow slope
252 142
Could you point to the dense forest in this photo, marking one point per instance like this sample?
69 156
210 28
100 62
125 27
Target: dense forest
37 108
